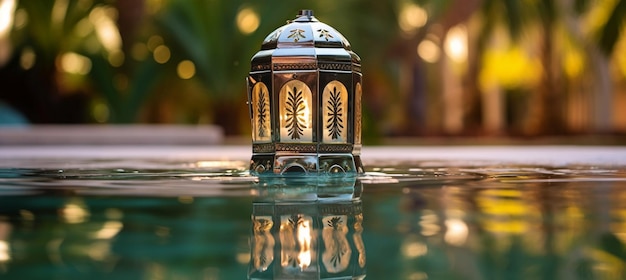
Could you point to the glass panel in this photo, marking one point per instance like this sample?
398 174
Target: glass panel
261 113
296 119
335 112
358 92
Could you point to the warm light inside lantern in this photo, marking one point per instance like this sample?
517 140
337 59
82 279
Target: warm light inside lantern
295 113
304 241
296 236
335 112
261 124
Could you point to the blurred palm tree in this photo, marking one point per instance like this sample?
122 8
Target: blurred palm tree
220 37
44 34
549 17
125 84
73 48
209 34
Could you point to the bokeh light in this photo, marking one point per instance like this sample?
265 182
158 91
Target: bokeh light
162 54
186 69
27 59
7 8
411 18
247 20
20 20
460 68
456 43
103 19
74 63
100 112
428 51
154 41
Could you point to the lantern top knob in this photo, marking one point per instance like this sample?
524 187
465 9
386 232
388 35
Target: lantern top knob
306 13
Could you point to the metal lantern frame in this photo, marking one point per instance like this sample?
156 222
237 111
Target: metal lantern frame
304 97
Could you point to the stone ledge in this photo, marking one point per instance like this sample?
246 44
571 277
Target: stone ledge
112 135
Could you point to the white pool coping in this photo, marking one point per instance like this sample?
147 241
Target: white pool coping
69 135
545 155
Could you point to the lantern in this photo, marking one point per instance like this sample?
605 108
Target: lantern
304 97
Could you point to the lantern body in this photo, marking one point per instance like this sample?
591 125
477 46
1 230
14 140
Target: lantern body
304 97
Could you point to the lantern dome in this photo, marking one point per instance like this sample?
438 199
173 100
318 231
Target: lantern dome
306 36
305 30
304 96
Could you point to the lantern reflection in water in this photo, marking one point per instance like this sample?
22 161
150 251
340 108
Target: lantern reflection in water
304 230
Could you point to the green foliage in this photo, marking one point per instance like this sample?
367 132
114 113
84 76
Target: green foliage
206 32
125 104
613 28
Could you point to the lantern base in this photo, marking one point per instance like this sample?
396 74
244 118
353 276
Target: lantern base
298 164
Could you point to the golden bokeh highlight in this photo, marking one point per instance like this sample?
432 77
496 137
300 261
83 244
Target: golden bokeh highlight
7 10
429 51
74 63
186 69
20 19
455 43
103 19
161 54
411 18
247 21
100 112
154 41
28 58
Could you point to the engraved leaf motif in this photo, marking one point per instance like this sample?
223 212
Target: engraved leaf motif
335 114
295 114
325 33
262 113
296 34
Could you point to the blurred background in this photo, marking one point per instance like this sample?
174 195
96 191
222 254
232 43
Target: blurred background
472 68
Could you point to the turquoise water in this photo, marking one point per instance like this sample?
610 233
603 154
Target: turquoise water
108 219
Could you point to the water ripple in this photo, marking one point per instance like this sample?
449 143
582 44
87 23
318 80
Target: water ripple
231 178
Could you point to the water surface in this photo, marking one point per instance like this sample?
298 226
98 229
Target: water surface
187 219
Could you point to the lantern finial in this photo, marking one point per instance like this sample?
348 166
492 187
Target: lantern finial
308 13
